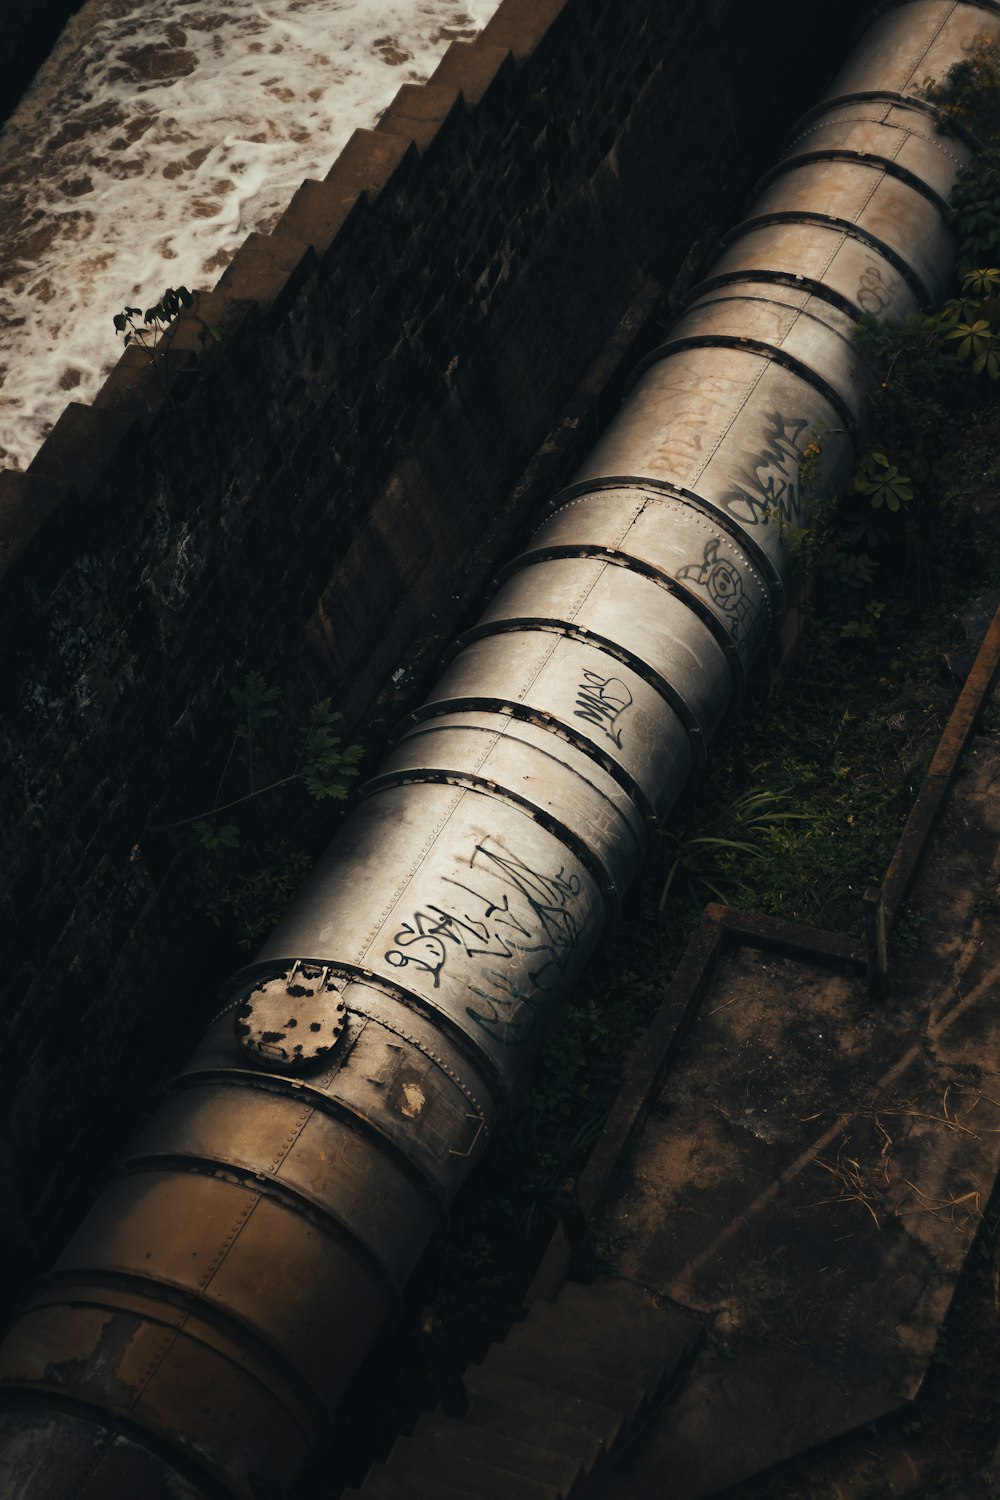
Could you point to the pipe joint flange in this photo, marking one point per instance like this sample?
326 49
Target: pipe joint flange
292 1020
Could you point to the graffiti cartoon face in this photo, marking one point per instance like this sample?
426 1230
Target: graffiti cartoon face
720 578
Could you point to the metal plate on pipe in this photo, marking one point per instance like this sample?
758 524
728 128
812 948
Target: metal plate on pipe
539 736
556 779
461 899
890 210
86 1459
293 1019
166 1307
287 1280
161 1376
907 46
679 541
801 327
690 423
389 1052
914 117
824 254
575 684
293 1144
629 609
936 160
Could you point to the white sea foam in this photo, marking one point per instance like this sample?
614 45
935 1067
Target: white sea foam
155 138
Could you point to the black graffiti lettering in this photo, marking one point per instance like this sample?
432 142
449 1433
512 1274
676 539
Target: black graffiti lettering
548 897
601 701
722 580
509 1012
768 490
534 918
423 940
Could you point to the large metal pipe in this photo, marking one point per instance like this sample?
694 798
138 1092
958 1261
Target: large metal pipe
197 1332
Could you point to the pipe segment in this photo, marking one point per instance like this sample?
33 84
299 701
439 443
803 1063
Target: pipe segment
197 1332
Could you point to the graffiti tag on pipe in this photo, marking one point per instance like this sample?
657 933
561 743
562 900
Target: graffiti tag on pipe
520 918
769 489
602 701
719 576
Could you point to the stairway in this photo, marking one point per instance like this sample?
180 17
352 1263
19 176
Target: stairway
552 1406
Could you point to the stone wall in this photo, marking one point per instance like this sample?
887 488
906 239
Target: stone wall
314 483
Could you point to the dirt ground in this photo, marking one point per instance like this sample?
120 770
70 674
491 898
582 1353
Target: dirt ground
816 1179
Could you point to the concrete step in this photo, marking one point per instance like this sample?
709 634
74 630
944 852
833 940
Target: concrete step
415 1464
641 1322
616 1350
550 1405
537 1361
381 1485
513 1452
610 1362
596 1422
533 1425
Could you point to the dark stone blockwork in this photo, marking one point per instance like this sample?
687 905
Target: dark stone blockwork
319 490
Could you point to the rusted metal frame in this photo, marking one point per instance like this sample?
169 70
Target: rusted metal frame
952 745
876 942
793 939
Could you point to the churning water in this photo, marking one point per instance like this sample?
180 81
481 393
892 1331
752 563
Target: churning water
158 134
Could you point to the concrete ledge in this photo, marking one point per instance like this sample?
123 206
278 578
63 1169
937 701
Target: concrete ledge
522 24
475 69
268 269
419 111
318 212
215 318
81 446
26 500
367 164
141 382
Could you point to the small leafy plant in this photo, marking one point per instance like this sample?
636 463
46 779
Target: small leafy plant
155 320
881 481
245 879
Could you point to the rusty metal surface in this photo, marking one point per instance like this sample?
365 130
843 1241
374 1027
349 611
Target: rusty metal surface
208 1313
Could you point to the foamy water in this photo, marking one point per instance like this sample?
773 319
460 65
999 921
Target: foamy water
155 138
